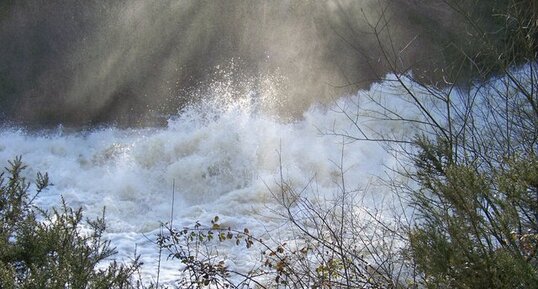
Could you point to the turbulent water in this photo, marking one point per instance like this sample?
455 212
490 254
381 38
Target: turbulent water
220 157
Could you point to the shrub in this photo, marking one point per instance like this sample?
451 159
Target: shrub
474 158
40 249
476 229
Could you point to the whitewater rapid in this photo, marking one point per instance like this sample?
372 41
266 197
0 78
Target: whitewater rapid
222 157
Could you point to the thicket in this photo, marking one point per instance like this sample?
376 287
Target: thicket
46 249
474 165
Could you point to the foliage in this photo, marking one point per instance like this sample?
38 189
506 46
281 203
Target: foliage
201 263
478 230
472 166
478 176
40 249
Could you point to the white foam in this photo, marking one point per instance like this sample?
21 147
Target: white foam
222 157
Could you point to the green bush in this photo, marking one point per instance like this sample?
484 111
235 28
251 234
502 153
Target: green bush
472 175
477 196
40 249
477 230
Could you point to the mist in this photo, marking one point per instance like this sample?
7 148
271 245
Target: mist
133 63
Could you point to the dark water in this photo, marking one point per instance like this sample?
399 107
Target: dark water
133 62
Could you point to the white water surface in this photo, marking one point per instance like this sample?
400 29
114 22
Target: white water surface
222 155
